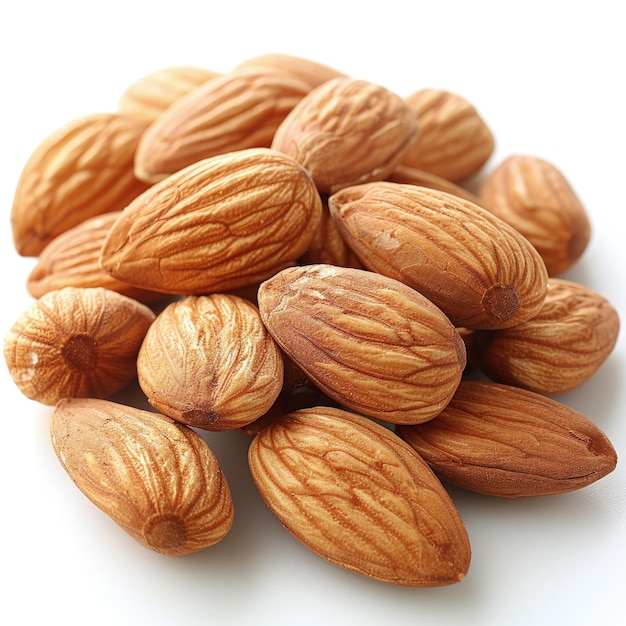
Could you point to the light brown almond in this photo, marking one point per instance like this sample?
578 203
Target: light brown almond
368 341
476 268
220 224
157 479
504 441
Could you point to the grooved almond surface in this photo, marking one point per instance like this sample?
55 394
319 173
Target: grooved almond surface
476 268
157 479
369 342
352 492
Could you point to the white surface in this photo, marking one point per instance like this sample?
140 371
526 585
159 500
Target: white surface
548 78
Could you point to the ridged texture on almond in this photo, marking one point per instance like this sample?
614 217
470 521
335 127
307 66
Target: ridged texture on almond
370 342
454 141
76 342
355 494
347 131
311 72
217 225
479 270
72 259
157 479
83 169
152 94
209 362
560 348
505 441
535 198
236 111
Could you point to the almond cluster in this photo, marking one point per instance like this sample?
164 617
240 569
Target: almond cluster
297 254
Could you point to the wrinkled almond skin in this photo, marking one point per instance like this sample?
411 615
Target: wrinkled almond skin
72 259
454 141
477 269
236 111
76 342
84 168
369 342
208 362
534 197
560 348
504 441
157 479
355 494
152 94
220 224
347 131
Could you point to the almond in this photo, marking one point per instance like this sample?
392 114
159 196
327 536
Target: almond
208 362
157 479
236 111
347 131
534 197
560 348
504 441
355 494
220 224
369 342
454 141
476 268
83 169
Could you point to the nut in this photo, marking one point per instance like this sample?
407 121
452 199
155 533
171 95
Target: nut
369 342
478 270
85 168
76 342
155 478
347 131
535 198
209 362
218 225
560 348
504 441
355 494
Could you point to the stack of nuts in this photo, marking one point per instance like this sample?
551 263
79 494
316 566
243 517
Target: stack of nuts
288 251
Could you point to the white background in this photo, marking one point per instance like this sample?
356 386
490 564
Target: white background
548 77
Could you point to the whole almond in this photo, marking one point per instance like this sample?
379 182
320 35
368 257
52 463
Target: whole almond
355 494
454 141
368 341
76 342
504 441
476 268
347 131
534 197
157 479
208 362
152 94
557 350
236 111
217 225
83 169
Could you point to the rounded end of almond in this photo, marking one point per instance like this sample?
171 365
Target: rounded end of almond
500 302
165 533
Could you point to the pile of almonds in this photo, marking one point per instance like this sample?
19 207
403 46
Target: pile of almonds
288 251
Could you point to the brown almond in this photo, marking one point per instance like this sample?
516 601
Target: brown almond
354 493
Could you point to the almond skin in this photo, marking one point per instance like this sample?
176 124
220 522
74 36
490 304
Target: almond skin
477 269
236 111
220 224
560 348
369 342
347 131
208 362
83 169
355 494
504 441
534 197
157 479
